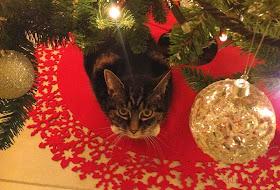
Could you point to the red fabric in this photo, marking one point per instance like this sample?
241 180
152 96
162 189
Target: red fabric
79 97
70 123
158 29
65 118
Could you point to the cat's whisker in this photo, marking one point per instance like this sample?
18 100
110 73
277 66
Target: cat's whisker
152 143
109 137
163 134
162 142
105 134
115 143
102 128
117 140
148 140
158 148
147 143
105 131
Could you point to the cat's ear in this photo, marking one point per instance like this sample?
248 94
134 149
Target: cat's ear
160 89
114 84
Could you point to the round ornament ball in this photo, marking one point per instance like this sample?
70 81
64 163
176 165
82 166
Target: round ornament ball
17 75
232 121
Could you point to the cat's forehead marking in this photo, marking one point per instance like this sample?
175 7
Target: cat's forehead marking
131 98
135 99
140 97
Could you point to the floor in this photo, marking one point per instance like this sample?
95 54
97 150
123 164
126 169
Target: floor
24 166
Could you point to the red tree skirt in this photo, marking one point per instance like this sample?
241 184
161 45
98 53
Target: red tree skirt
72 125
175 139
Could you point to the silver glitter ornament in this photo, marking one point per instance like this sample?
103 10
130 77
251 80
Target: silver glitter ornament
232 121
16 75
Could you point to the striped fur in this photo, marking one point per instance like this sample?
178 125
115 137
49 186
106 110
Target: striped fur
134 91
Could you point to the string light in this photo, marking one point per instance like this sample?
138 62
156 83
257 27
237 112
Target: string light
223 37
114 12
3 19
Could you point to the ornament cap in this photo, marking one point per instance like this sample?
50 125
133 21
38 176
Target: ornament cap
241 88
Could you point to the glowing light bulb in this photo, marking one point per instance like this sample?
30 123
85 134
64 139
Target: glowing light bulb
223 37
114 12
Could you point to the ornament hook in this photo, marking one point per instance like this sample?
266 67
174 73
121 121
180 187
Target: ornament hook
247 69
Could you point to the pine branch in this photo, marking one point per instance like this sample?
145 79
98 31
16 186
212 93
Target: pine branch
93 26
236 25
13 114
158 11
47 21
138 40
196 79
262 75
267 75
187 47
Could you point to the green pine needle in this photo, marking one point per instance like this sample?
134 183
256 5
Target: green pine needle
196 79
14 112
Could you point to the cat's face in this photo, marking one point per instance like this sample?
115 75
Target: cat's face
136 112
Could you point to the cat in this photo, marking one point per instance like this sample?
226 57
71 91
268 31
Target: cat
133 90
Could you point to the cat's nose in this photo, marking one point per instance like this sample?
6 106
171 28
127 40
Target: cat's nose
134 131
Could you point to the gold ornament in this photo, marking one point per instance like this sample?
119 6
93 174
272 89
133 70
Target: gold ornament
232 121
16 75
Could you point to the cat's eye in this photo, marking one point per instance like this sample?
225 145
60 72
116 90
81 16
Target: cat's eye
146 114
123 112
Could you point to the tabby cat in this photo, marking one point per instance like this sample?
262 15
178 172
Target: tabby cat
133 90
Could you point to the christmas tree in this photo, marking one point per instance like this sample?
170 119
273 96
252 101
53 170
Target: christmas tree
27 23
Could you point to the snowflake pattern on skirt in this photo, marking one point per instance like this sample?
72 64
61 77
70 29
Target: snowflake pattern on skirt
91 156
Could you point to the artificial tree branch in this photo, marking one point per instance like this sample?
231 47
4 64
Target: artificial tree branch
237 26
178 15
